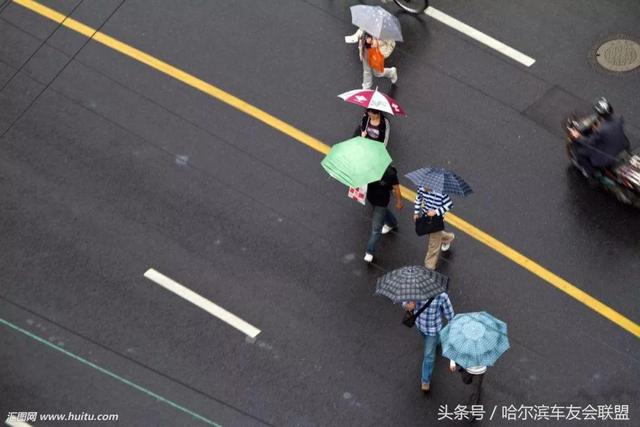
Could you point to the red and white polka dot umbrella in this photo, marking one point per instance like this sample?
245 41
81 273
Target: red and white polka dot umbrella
373 99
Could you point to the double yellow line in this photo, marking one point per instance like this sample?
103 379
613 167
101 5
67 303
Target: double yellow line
317 145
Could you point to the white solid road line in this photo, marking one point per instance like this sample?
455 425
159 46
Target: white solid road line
17 423
186 293
480 36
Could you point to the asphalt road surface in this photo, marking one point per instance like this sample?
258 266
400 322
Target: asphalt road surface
109 167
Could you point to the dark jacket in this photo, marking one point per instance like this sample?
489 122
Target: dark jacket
383 128
606 142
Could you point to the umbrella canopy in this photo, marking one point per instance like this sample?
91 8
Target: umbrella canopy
440 180
357 162
376 21
474 339
411 283
373 99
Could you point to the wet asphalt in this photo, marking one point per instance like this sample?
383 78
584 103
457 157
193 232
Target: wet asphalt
109 168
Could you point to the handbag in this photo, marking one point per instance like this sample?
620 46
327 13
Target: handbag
409 318
386 47
376 59
429 224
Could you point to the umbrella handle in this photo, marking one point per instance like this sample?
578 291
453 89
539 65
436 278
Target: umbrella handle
366 124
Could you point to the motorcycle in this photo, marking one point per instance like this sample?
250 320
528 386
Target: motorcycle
622 179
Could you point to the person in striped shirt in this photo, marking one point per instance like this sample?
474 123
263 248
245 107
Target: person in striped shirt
431 203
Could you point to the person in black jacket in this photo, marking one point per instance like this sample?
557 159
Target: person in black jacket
600 149
374 125
383 220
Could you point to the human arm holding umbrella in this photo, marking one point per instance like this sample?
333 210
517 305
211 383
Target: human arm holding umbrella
409 305
436 203
374 125
384 128
353 38
445 204
365 42
447 308
473 370
398 194
386 46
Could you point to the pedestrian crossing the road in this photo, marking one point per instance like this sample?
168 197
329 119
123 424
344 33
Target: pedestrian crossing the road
306 139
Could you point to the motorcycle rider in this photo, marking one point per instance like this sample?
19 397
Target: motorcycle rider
601 148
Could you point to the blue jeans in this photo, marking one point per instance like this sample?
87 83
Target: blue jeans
430 344
381 215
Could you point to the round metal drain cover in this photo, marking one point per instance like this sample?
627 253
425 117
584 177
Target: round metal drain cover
619 55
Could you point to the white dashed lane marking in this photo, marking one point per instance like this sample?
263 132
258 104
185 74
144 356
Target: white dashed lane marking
480 36
200 301
17 423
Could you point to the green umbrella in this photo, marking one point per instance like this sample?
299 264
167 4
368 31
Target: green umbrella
357 161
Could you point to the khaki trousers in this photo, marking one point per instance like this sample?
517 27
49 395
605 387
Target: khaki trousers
434 242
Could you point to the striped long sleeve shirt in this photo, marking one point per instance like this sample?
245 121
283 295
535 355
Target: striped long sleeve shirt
438 202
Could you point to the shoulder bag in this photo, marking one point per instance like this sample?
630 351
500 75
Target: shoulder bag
409 318
429 224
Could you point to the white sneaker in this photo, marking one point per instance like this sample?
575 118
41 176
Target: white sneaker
351 39
386 229
394 76
368 257
445 246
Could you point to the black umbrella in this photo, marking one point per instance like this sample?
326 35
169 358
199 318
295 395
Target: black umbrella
411 283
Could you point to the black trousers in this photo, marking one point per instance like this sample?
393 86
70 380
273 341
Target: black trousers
475 381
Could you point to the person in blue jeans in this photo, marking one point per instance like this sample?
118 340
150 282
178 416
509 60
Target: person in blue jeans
429 324
383 221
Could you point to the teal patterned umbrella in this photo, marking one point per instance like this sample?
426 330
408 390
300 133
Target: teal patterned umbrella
474 339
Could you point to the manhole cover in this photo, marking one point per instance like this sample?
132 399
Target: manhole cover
619 55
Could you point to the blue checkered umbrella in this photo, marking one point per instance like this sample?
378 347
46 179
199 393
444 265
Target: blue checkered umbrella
474 339
440 180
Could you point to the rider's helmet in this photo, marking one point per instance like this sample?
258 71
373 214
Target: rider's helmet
602 107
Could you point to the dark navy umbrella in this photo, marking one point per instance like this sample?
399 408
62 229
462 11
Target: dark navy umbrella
440 180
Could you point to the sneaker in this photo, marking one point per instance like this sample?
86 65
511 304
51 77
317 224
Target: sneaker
394 75
351 39
445 246
425 387
386 229
368 257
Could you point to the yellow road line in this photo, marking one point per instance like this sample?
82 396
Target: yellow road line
317 145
